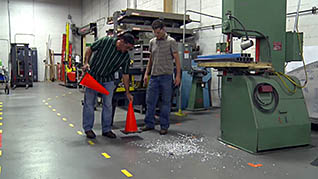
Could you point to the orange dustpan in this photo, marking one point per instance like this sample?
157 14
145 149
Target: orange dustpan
131 124
91 83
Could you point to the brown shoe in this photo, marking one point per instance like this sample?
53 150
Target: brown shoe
90 134
163 131
146 128
109 134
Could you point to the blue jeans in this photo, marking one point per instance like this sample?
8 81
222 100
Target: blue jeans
159 85
88 108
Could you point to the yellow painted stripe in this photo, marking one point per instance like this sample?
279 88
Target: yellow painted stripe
0 131
63 95
50 106
58 114
125 172
69 92
1 105
56 96
64 119
1 102
79 133
0 123
46 103
43 101
0 170
53 110
0 153
91 142
0 118
48 99
1 113
71 125
1 109
106 155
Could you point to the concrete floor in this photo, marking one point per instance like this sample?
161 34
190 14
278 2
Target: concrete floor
38 144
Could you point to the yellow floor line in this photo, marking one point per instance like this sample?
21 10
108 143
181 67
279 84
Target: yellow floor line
56 96
0 170
1 109
50 106
71 125
53 110
0 153
91 142
63 95
69 92
1 105
0 123
106 155
125 172
79 133
1 118
0 131
48 99
58 114
64 119
46 103
43 101
1 113
1 102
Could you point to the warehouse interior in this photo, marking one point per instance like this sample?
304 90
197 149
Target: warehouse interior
247 105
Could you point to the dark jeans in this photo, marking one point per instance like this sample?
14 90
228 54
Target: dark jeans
89 104
159 85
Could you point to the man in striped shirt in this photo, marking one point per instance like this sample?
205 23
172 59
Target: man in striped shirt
109 55
163 50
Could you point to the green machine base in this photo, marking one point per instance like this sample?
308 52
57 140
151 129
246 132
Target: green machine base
196 95
195 102
258 113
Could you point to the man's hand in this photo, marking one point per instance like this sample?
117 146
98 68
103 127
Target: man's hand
129 96
177 81
145 79
86 67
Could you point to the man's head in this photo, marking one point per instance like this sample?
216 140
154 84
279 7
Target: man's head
158 28
110 32
126 42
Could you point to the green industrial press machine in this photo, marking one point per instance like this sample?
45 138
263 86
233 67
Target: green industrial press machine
261 107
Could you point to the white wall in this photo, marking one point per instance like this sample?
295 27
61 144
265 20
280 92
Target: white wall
40 18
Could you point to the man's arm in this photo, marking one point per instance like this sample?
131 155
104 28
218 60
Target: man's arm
126 85
88 54
178 66
149 65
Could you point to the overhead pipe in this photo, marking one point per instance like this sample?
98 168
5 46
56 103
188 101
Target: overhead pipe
313 10
297 17
195 12
9 21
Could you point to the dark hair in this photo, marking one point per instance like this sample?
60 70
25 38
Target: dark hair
128 38
157 24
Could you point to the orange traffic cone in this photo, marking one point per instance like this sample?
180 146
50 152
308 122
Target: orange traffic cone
91 83
131 124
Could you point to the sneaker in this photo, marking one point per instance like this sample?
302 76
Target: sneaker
163 131
146 128
109 134
90 134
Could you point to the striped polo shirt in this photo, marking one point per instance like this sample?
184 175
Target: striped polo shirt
107 60
162 55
